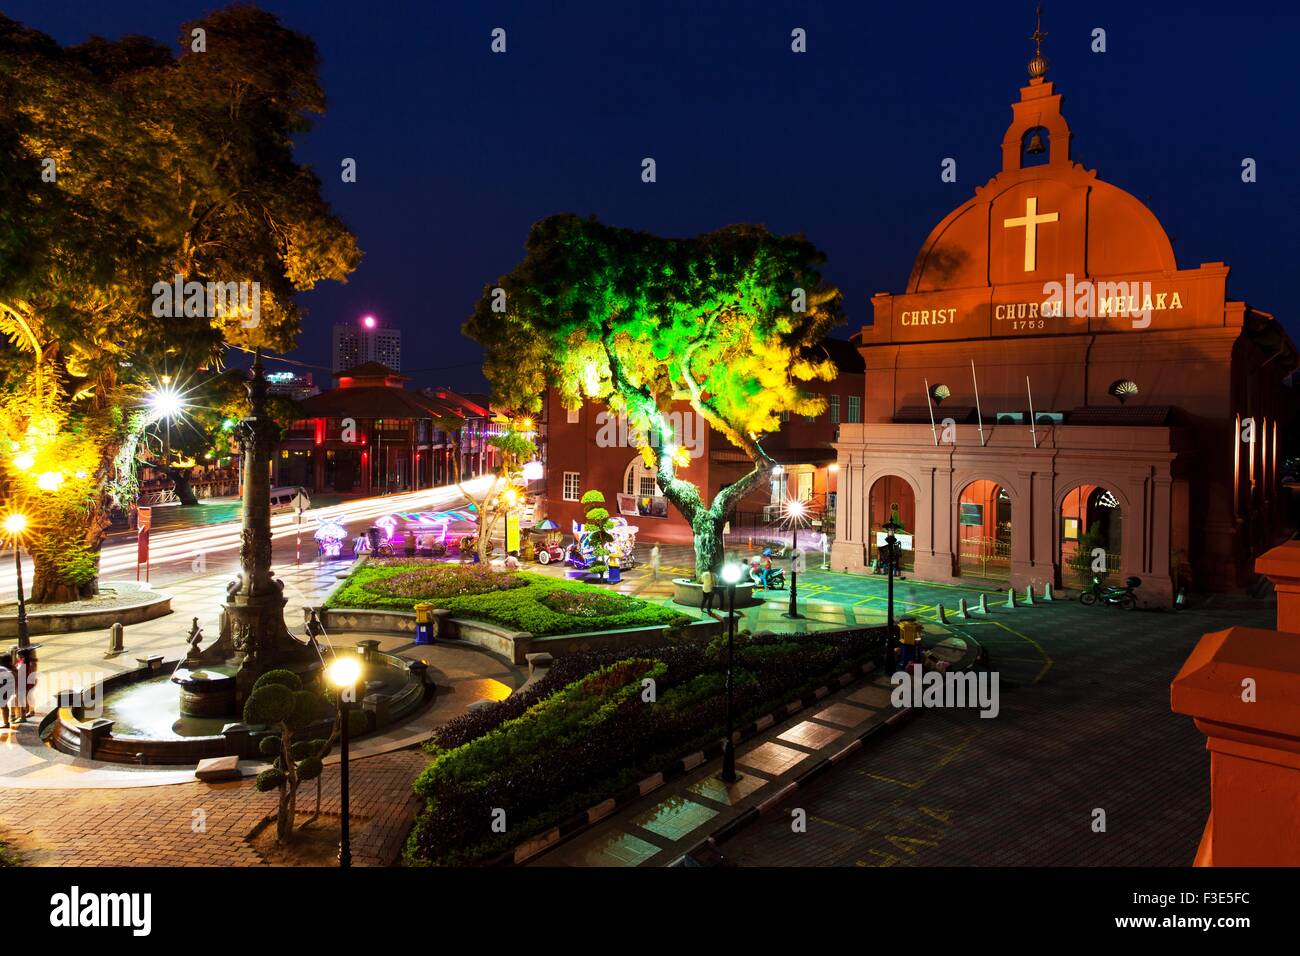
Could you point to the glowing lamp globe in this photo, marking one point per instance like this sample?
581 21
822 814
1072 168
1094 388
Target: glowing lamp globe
15 523
369 321
533 471
165 403
24 462
731 573
344 672
795 508
50 481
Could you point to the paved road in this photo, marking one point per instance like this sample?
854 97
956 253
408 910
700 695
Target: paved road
189 546
1094 732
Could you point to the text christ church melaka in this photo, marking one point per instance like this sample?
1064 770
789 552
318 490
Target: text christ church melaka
1157 402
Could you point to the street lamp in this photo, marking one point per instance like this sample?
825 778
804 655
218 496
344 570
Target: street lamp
166 403
795 511
730 575
15 524
344 673
891 543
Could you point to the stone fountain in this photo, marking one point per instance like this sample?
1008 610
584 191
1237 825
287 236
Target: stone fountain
138 718
253 638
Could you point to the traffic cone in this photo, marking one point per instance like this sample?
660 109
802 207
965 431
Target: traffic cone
1047 592
962 609
1011 597
943 616
984 606
1029 595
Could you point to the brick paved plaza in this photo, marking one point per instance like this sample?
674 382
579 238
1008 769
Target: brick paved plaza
1084 724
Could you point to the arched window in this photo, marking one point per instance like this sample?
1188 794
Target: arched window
639 480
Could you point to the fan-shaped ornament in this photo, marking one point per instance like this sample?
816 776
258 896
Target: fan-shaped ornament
1123 390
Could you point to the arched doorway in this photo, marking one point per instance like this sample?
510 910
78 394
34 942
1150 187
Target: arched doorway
1092 534
984 530
892 497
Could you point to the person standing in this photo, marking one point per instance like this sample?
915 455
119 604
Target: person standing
706 586
8 689
654 563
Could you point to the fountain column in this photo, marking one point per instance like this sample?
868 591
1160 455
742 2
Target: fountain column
253 632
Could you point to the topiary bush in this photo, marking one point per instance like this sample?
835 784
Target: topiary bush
279 700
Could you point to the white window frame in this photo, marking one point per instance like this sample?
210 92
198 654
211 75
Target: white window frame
576 493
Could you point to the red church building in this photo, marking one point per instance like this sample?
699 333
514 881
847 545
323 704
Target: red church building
1053 394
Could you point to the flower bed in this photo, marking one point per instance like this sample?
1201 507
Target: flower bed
589 728
535 603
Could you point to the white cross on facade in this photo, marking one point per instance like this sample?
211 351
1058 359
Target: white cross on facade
1030 221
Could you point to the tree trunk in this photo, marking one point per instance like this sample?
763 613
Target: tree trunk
49 587
707 530
184 490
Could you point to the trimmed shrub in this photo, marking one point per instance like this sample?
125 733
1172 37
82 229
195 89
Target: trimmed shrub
525 602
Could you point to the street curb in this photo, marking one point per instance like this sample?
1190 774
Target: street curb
632 792
737 823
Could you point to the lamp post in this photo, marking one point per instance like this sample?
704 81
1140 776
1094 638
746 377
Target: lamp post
795 510
344 673
15 524
730 575
891 542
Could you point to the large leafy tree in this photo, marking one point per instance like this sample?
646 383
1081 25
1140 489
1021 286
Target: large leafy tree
724 322
123 165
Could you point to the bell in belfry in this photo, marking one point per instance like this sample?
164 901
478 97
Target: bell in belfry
1036 147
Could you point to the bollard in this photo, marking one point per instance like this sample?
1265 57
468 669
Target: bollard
943 616
1047 592
1029 595
983 605
115 639
1011 597
962 609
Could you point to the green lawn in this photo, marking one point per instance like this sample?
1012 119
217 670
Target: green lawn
526 602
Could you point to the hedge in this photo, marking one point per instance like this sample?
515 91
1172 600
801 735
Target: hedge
586 729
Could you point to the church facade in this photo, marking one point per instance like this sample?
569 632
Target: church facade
1052 397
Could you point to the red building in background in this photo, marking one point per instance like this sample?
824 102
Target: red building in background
589 449
370 435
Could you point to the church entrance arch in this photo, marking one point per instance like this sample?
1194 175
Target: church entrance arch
892 497
984 530
1092 535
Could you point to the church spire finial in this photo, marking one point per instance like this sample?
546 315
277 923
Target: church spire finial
1038 63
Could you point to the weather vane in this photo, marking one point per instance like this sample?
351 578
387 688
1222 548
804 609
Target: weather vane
1038 64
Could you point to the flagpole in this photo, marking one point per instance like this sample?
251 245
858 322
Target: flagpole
930 405
978 414
1033 430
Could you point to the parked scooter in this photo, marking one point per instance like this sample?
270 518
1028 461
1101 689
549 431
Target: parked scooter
775 576
1122 597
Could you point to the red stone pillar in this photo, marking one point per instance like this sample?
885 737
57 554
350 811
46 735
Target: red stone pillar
1242 687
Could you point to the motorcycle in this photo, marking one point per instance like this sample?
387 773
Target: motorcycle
1121 597
775 577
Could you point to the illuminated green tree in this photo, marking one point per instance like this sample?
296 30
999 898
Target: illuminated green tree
725 322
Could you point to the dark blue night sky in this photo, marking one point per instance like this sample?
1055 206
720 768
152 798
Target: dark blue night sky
460 150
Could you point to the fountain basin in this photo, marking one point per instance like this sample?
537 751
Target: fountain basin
206 691
137 718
